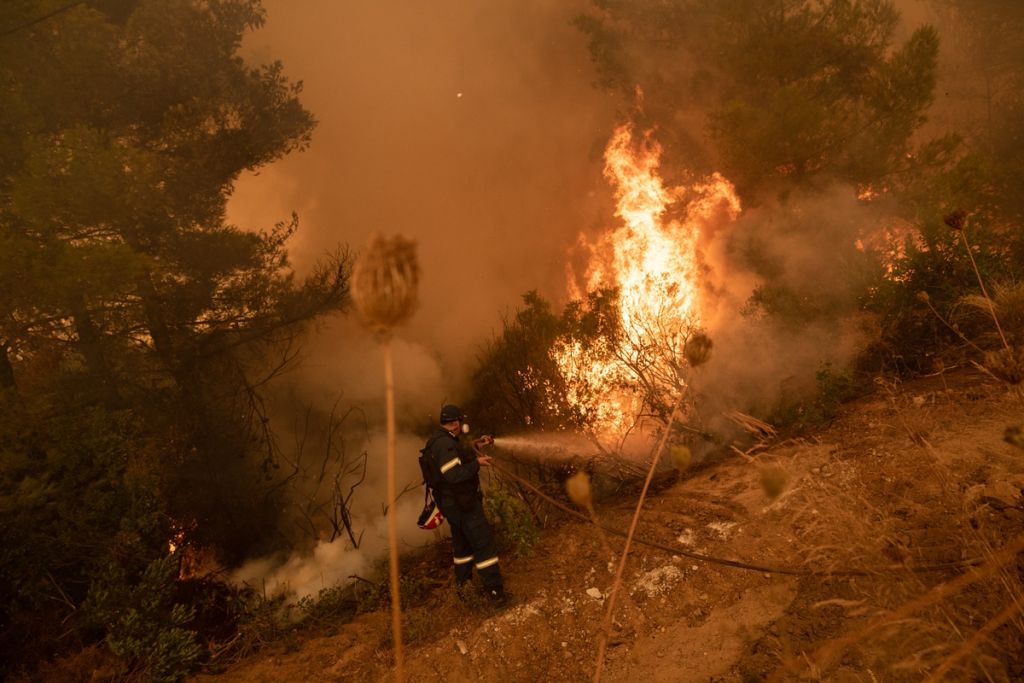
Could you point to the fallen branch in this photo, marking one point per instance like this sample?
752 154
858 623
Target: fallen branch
750 423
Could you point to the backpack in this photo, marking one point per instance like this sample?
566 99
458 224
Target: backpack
430 517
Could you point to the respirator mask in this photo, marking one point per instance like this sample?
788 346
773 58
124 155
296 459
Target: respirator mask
465 428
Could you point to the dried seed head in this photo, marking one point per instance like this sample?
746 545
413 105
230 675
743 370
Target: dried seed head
1014 435
773 481
698 349
578 488
384 282
956 219
1007 364
681 457
923 297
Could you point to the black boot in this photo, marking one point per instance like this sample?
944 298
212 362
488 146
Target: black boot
497 596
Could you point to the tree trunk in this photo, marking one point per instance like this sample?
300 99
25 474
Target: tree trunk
90 345
166 347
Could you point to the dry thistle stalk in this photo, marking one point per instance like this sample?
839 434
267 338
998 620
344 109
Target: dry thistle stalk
580 493
383 287
681 457
773 481
384 282
1006 364
1014 435
578 488
956 219
698 349
606 628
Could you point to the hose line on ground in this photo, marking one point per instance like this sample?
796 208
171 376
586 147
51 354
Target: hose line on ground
736 564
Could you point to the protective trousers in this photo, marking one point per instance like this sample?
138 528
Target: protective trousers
472 543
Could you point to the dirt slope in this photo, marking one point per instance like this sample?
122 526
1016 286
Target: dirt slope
914 475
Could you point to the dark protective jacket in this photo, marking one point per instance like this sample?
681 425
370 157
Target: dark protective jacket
455 466
456 484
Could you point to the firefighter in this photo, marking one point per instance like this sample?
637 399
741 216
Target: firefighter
457 468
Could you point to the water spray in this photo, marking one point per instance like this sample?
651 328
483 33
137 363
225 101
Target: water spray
541 445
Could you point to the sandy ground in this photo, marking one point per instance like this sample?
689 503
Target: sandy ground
914 475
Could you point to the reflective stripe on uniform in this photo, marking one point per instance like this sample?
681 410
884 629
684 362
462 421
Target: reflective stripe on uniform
448 465
463 560
487 563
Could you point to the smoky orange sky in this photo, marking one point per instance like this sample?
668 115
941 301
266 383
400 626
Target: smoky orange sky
472 127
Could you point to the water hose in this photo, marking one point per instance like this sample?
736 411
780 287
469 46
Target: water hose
737 564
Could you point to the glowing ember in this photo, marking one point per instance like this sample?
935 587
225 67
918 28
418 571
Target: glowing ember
655 265
888 242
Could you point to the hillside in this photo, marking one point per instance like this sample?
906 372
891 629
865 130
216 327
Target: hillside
912 476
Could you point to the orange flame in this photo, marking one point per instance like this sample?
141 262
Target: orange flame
655 264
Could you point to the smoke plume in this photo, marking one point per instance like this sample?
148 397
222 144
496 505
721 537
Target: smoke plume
469 127
329 563
807 244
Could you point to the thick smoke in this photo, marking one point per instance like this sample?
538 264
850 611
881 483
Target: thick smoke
333 562
807 240
470 127
808 244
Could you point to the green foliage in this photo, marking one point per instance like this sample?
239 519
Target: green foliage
143 625
515 528
791 89
77 489
124 287
518 384
916 335
801 96
262 621
118 170
336 603
341 602
800 410
978 176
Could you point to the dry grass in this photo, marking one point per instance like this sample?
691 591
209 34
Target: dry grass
1006 364
1008 306
912 507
